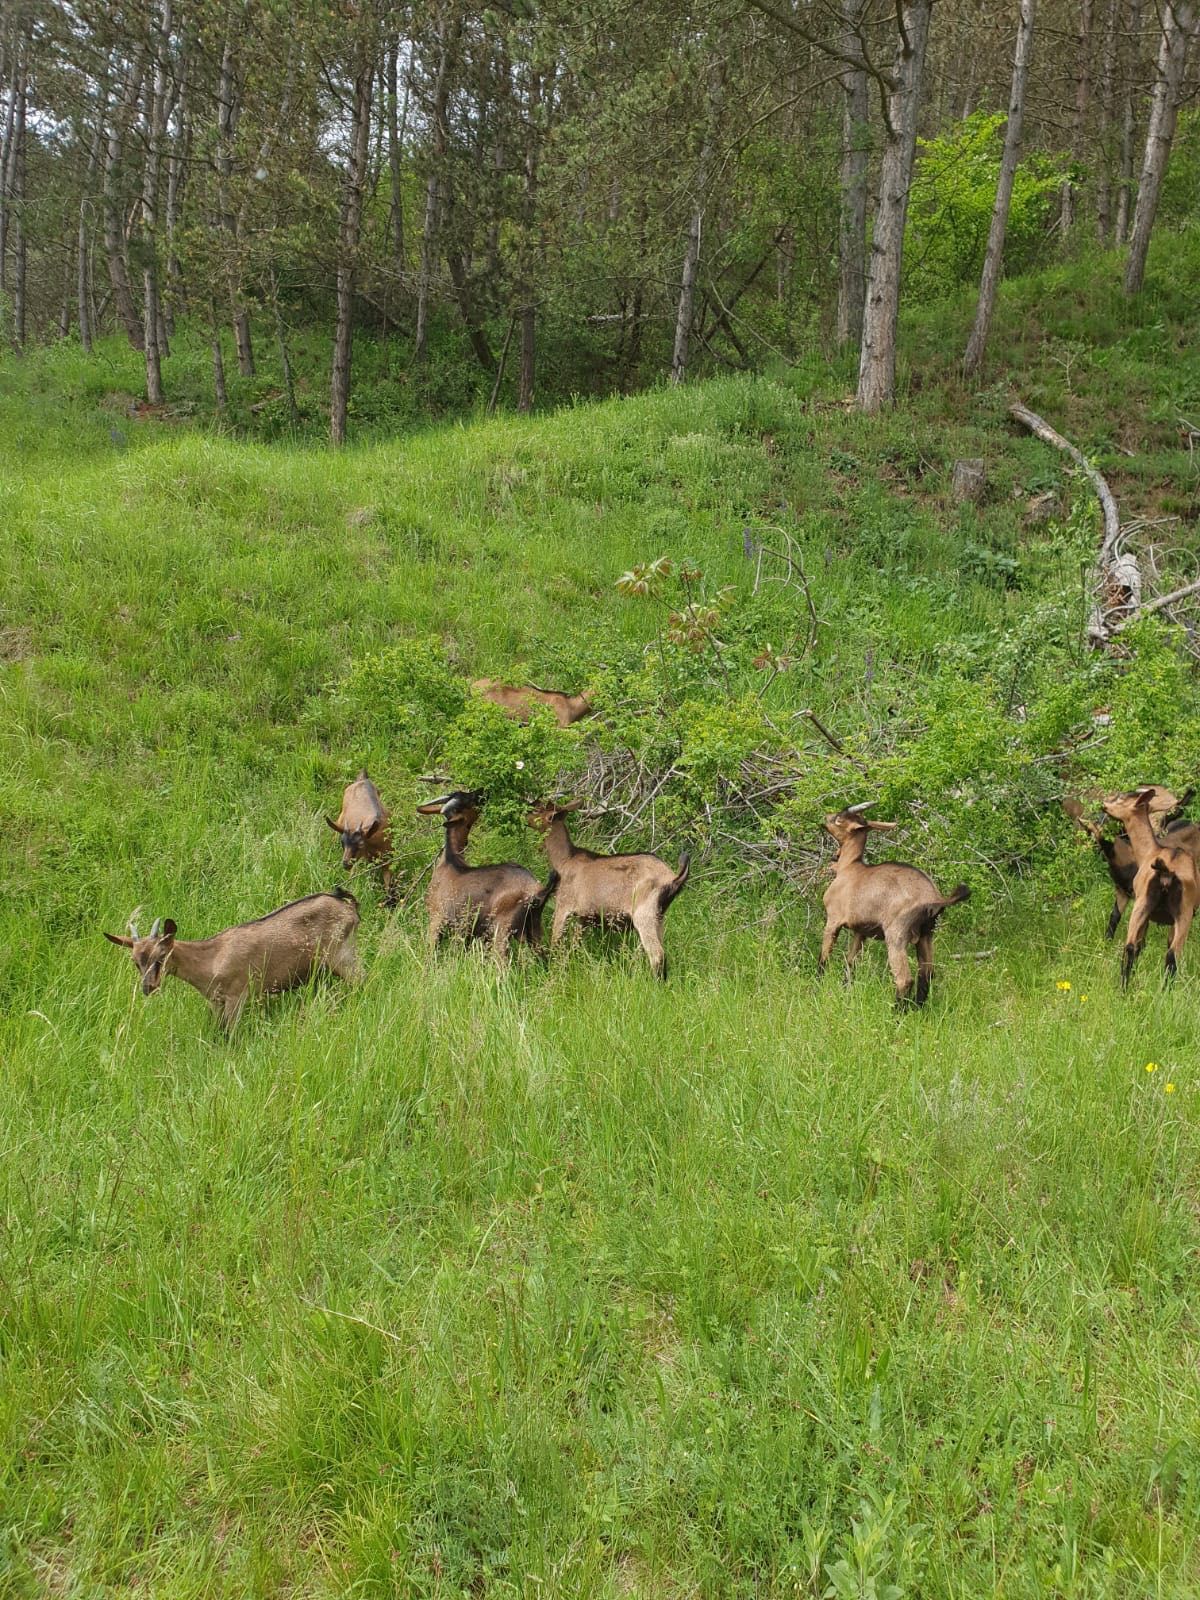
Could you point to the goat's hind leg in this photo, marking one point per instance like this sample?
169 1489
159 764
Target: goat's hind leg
1120 901
897 949
924 968
828 939
1179 933
1135 937
648 922
853 951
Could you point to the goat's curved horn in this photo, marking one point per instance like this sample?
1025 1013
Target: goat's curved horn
863 805
157 928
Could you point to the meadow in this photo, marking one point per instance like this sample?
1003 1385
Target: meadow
559 1281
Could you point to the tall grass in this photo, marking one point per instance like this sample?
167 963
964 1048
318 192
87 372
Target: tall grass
553 1282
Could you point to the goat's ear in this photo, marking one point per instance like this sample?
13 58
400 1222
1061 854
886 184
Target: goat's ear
372 826
168 929
1072 807
330 823
119 938
568 805
432 808
880 827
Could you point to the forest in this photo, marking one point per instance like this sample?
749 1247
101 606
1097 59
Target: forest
534 201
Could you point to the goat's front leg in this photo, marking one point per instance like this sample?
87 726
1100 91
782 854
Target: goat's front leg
1135 937
228 1008
828 939
1120 901
344 962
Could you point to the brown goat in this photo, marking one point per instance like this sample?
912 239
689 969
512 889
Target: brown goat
619 891
363 825
274 953
519 700
890 901
503 903
1118 853
1166 886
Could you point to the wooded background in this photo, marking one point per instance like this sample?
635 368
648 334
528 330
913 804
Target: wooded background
571 198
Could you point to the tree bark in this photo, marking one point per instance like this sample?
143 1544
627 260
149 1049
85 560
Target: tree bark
8 147
395 125
228 112
1128 122
1082 92
116 249
1178 25
220 394
993 259
17 193
348 238
691 254
1108 85
877 364
852 229
437 157
527 289
156 109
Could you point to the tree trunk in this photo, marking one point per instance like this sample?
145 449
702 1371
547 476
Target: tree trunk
228 112
8 149
115 247
156 109
994 257
1108 85
1178 25
218 360
395 139
285 360
17 192
691 254
852 228
429 229
527 288
82 244
1066 219
877 364
1128 122
348 237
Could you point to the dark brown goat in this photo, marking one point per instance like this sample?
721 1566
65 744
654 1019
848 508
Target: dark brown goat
518 700
1118 852
274 953
363 825
503 902
1166 886
631 891
890 901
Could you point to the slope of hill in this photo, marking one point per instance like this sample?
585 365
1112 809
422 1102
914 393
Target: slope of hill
560 1281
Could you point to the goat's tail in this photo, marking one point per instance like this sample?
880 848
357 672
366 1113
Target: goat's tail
956 897
925 918
1185 801
1164 878
531 912
670 890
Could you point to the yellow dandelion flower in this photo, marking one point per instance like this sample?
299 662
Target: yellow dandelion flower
1063 986
1168 1088
1152 1066
1083 999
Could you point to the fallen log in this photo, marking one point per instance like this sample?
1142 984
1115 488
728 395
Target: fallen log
1118 578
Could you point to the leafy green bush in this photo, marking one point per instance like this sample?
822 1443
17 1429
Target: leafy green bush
513 763
950 206
402 697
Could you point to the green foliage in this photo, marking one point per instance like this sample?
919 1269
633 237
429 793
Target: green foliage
513 763
401 698
951 200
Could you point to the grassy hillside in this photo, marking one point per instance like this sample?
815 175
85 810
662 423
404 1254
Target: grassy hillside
559 1281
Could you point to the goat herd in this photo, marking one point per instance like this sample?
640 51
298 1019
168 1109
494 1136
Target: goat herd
504 903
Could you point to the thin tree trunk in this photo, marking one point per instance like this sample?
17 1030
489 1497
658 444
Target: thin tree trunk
691 255
395 137
852 229
429 229
348 237
156 106
285 359
228 112
528 349
1178 25
82 243
1082 91
218 361
993 259
1108 85
17 191
8 149
1128 122
115 247
877 363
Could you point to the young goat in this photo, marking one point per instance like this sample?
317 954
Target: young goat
276 952
1118 853
890 901
518 700
363 827
622 891
502 902
1166 885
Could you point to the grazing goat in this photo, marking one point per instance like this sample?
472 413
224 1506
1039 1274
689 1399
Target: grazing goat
502 902
1166 885
1118 853
363 827
276 952
890 901
519 700
621 891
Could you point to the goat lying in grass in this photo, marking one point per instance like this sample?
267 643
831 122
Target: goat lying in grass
890 901
1166 885
363 827
620 891
502 902
1118 852
518 700
274 953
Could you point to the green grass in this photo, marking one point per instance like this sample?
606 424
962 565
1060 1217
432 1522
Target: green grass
558 1282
